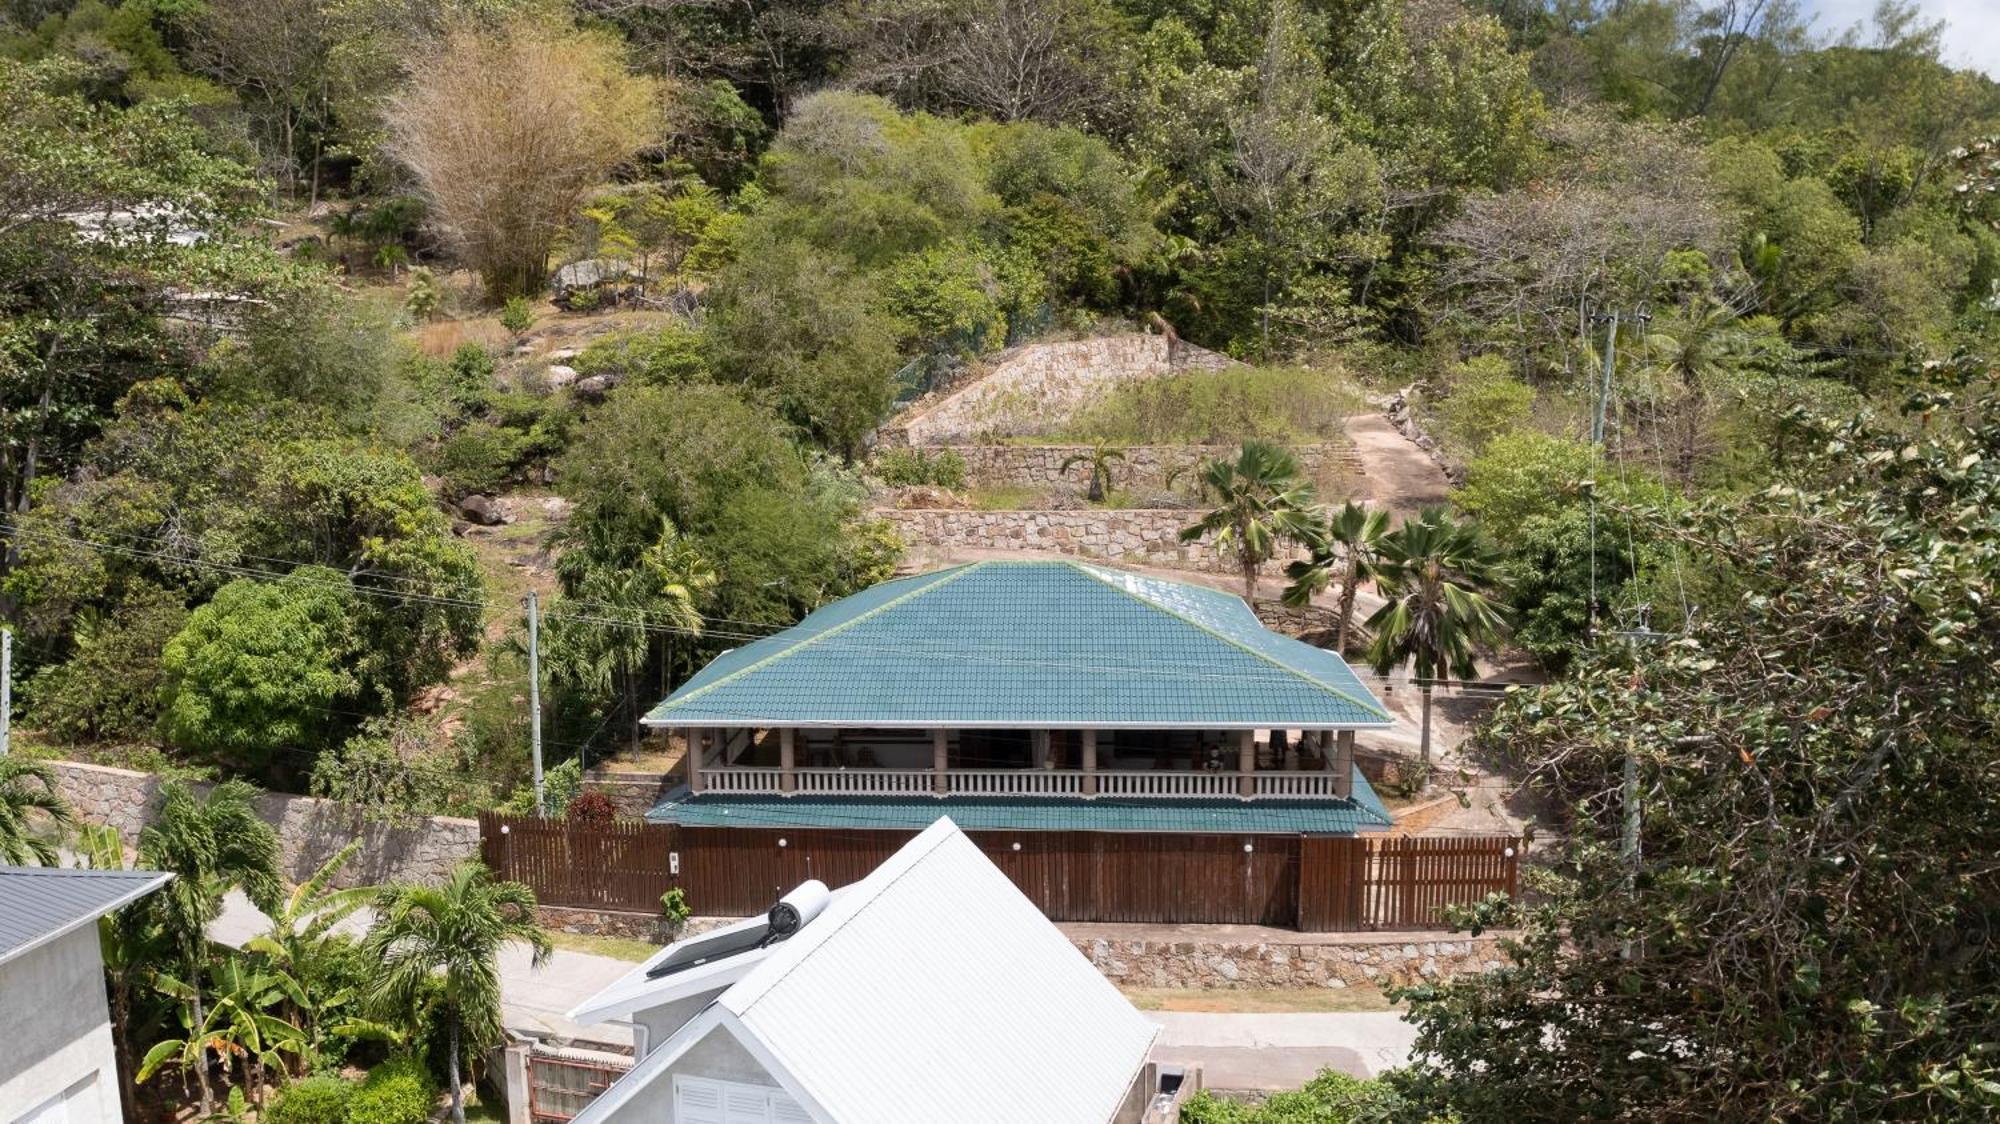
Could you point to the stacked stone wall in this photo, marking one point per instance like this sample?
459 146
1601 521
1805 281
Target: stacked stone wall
310 830
1330 463
1324 960
1149 536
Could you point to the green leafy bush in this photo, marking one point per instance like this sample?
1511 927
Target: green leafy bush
517 315
660 356
480 457
1330 1098
110 687
397 1092
907 467
1485 402
322 1099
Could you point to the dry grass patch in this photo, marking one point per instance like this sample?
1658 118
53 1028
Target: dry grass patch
1261 1000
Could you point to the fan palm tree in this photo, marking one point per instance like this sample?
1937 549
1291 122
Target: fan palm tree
1436 574
1262 499
1344 544
1100 458
211 844
451 934
26 788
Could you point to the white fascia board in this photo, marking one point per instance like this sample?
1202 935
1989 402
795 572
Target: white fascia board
775 1066
74 924
647 1073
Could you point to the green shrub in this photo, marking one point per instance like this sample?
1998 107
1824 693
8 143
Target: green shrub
517 315
479 458
469 377
315 1100
907 467
1486 402
1330 1098
396 1092
659 357
1290 405
110 687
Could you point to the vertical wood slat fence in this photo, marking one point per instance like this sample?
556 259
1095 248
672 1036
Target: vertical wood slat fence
1315 883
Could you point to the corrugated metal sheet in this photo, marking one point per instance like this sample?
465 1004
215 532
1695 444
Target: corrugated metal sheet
936 991
1028 643
38 904
1363 812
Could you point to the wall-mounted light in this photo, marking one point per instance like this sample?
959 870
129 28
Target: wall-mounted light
1248 847
1509 852
781 842
504 829
1017 846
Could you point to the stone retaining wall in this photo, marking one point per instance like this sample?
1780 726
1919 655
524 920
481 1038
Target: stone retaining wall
1312 960
1038 388
1141 534
310 830
1334 465
633 794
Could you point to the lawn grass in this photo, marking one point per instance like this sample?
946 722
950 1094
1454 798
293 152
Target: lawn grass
618 948
1261 1000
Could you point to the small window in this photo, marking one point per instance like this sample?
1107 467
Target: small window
700 1100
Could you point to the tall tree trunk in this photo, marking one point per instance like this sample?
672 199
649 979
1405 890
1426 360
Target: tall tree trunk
1346 605
121 1033
451 1069
200 1032
1250 580
1424 745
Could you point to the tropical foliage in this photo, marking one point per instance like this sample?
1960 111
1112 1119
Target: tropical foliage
1262 502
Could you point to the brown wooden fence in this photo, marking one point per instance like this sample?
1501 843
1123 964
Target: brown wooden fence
1319 883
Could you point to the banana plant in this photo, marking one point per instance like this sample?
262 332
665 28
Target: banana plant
297 944
236 1025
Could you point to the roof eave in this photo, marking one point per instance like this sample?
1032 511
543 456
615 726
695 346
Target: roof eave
1052 723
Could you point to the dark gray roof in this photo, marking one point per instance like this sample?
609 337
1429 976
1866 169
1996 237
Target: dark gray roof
39 903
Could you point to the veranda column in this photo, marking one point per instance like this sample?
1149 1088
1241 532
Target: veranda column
1089 755
1343 763
940 758
1246 762
694 735
787 760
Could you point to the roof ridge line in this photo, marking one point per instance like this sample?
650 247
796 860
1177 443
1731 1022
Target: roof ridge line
954 572
1232 641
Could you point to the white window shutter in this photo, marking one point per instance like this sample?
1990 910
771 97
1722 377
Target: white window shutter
746 1104
785 1110
697 1101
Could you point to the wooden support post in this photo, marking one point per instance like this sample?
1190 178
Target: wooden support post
940 761
788 780
1246 763
1343 763
695 737
1038 748
1089 755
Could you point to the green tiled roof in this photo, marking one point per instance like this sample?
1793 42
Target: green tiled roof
1364 812
1028 644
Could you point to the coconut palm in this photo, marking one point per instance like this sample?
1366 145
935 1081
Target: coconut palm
1262 499
1344 545
211 844
27 788
1101 458
449 937
1436 574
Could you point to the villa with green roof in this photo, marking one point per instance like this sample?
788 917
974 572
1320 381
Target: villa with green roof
1027 695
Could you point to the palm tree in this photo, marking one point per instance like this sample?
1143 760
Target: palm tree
27 787
1262 499
452 934
132 945
211 845
1345 544
1100 458
1435 573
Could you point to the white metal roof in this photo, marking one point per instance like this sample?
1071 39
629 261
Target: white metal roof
931 990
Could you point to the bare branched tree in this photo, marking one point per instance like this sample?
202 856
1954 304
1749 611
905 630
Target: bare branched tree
1013 60
506 131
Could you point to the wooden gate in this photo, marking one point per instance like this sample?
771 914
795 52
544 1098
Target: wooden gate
559 1087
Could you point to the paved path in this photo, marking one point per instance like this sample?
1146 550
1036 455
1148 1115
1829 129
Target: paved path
1400 476
1282 1051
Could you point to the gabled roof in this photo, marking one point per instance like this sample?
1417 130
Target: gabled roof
930 990
1014 644
39 904
1363 811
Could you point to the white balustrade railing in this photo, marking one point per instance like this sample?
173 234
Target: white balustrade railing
1180 785
875 781
1019 782
1015 782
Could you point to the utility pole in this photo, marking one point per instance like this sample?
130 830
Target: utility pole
6 689
535 698
1604 390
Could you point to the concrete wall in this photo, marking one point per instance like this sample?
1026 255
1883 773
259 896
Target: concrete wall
1144 535
55 1031
1331 464
1040 387
310 830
